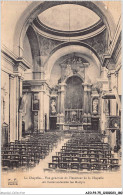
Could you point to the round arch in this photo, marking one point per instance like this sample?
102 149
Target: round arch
35 49
74 75
87 53
35 8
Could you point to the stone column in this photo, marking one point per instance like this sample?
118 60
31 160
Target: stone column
11 108
116 82
85 106
89 106
102 107
109 81
112 139
59 106
116 78
20 125
59 101
62 109
62 104
16 102
41 110
17 93
113 101
89 99
20 111
48 109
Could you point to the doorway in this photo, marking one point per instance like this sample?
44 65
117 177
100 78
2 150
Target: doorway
53 121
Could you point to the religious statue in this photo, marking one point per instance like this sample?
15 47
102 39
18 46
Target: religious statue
53 107
95 106
35 103
68 70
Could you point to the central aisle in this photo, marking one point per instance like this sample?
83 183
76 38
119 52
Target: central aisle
41 176
43 164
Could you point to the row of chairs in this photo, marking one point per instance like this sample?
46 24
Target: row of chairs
81 152
83 166
27 153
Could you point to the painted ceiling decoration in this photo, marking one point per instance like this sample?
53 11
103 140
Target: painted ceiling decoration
68 17
68 20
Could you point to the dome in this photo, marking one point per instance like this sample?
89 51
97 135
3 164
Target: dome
68 17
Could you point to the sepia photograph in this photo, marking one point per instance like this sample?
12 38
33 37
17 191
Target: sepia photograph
61 94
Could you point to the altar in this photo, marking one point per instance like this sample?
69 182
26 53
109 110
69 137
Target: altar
73 99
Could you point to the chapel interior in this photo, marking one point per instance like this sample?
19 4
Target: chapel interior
61 81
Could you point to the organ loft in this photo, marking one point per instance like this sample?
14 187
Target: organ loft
61 80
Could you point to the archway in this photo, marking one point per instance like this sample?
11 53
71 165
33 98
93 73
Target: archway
35 49
37 7
86 52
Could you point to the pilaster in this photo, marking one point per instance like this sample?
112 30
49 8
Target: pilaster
41 109
11 109
87 106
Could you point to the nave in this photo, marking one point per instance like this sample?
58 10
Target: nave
27 153
85 151
66 151
61 91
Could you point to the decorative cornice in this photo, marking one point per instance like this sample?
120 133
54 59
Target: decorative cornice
64 38
116 36
75 33
34 82
14 59
109 59
31 83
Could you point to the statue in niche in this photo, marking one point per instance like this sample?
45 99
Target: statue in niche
53 107
68 70
95 106
35 102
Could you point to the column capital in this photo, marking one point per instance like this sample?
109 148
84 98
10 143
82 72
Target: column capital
59 91
11 76
19 75
116 73
109 75
63 84
87 86
84 84
21 78
110 72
